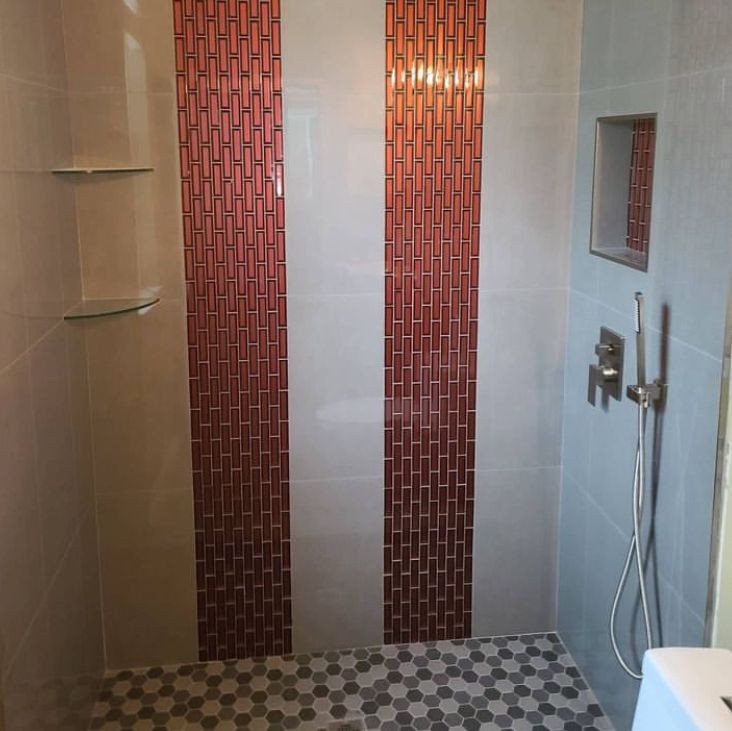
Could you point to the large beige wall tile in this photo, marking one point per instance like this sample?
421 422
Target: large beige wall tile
119 44
21 38
146 544
109 230
29 688
58 493
48 547
44 207
111 128
40 247
80 412
92 592
40 126
13 321
53 48
21 555
123 112
76 656
139 396
54 676
130 225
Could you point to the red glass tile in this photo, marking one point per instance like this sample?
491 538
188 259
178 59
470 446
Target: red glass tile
229 99
641 184
433 169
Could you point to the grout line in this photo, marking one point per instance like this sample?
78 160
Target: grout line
95 492
649 328
535 468
44 596
584 678
30 82
659 79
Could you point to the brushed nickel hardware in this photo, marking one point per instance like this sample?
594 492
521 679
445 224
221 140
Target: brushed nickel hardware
607 374
647 394
643 393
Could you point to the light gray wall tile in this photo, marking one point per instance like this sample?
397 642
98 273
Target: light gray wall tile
333 83
639 54
548 35
528 163
628 42
336 366
571 594
514 572
337 563
692 254
699 37
520 383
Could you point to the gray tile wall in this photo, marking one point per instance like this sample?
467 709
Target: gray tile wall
526 202
672 57
334 182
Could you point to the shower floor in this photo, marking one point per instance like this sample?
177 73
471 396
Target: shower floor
526 683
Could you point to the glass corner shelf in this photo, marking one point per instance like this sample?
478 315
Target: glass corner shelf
101 169
89 309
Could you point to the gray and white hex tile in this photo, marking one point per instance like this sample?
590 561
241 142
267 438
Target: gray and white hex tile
526 683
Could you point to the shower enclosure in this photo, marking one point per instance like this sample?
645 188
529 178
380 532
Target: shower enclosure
298 303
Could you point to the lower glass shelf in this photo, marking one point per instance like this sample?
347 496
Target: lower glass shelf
87 309
102 170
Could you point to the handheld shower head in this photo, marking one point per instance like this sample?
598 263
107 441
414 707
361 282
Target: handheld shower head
640 336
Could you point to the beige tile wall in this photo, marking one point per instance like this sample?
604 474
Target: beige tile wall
123 112
51 654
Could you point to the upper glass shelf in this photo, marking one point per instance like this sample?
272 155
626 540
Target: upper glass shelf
87 309
101 169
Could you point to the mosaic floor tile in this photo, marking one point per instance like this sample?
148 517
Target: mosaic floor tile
525 683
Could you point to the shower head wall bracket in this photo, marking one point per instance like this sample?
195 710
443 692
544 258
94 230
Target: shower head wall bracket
647 394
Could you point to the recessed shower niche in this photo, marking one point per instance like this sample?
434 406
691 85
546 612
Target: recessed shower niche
623 188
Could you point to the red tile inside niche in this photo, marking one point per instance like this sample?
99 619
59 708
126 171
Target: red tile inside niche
641 184
230 100
434 111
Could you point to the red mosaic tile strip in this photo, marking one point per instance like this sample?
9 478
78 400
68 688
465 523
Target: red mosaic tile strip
641 184
434 117
231 151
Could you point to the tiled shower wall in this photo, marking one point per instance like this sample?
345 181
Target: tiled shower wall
337 267
123 111
231 145
434 136
673 58
51 653
121 82
526 203
334 175
334 166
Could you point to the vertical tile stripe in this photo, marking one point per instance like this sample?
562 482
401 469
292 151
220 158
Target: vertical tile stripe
434 111
641 184
231 150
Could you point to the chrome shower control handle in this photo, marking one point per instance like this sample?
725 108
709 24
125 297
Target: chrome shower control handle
601 376
607 374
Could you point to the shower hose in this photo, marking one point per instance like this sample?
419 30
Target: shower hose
635 549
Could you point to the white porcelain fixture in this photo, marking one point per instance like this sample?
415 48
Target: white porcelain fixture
682 690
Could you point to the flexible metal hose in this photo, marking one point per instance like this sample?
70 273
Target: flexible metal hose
635 548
